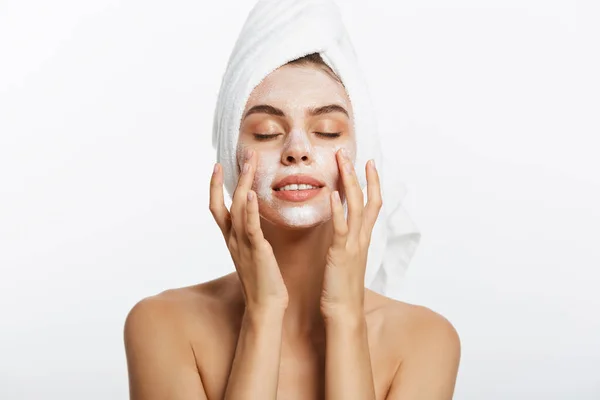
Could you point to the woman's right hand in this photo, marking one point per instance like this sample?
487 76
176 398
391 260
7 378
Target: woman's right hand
252 255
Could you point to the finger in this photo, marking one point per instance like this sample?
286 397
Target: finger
374 201
253 229
340 228
238 205
216 203
354 196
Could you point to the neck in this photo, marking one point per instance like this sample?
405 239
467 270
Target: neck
301 256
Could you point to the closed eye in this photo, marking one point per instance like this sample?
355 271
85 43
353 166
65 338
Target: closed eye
329 135
260 136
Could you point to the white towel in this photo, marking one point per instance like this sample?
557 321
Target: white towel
276 32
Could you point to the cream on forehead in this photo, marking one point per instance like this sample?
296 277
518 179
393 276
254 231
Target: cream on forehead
290 83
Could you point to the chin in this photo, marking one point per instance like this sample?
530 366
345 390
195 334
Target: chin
301 216
301 225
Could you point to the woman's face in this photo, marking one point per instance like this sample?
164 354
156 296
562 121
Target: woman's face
292 142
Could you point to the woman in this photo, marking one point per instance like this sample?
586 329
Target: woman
295 320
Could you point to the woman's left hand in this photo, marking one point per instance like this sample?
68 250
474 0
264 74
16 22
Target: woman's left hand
344 278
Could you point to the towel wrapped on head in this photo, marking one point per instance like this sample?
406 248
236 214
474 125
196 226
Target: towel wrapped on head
279 31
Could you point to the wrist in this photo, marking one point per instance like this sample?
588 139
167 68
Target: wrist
264 314
346 317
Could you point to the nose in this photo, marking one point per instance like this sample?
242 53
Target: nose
297 149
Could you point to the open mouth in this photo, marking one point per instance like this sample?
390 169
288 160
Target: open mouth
298 187
295 187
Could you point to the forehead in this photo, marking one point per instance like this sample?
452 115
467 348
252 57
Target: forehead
298 87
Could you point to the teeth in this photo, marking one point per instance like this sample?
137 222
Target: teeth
301 186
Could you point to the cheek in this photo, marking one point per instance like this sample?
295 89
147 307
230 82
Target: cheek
326 157
266 170
262 172
239 155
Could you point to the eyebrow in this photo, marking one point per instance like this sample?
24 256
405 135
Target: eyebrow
312 111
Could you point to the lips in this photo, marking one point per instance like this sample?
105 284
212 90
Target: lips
298 179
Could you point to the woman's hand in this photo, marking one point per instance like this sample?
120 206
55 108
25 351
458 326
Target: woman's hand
344 278
251 253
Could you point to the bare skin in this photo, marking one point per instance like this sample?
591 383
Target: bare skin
181 343
205 320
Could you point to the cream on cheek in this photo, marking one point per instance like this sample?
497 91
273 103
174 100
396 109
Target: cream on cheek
266 169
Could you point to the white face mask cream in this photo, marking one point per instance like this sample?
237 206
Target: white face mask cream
297 151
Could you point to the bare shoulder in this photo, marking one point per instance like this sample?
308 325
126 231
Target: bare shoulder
407 319
161 333
168 308
429 352
421 323
188 308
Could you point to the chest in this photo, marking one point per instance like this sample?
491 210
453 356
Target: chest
300 378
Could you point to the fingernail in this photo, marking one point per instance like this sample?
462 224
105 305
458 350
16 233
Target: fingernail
250 196
249 153
372 163
349 167
216 168
336 196
246 168
345 154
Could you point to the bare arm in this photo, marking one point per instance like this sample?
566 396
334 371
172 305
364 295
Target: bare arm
429 371
348 373
160 361
255 369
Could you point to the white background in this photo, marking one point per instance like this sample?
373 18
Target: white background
490 108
